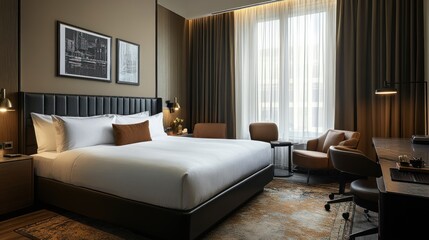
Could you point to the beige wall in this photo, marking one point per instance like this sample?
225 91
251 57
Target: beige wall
131 20
172 78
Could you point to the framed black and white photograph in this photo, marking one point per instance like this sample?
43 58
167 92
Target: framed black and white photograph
83 53
128 62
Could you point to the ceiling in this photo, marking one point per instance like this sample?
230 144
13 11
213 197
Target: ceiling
190 9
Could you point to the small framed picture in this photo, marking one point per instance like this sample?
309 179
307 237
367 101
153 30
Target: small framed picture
83 53
128 62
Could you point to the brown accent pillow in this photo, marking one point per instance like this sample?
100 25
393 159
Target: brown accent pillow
332 139
352 143
131 133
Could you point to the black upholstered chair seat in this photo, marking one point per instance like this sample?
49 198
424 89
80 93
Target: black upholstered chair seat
365 193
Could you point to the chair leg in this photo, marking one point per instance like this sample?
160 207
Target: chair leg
308 176
343 199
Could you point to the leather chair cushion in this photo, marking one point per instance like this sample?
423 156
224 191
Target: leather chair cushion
210 130
332 139
311 159
365 189
263 131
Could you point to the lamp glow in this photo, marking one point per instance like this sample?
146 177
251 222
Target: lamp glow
386 91
5 103
176 105
173 106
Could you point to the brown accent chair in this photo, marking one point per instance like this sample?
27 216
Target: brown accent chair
268 132
316 156
209 130
264 131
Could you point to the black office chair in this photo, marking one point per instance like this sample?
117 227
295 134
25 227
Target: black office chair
364 191
346 196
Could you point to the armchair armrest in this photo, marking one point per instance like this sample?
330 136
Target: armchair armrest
312 144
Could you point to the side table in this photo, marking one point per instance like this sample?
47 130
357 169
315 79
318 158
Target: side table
16 188
282 172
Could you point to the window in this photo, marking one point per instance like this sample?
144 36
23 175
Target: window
285 67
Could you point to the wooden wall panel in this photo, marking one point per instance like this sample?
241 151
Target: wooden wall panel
9 68
172 62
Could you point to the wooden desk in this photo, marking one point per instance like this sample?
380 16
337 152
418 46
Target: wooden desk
401 204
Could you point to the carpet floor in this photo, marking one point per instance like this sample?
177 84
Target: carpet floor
284 210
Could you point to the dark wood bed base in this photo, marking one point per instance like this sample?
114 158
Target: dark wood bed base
150 220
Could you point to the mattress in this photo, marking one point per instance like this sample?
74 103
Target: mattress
173 172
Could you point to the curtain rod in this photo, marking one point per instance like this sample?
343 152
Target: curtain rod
245 6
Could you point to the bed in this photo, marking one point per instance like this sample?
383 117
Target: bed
185 201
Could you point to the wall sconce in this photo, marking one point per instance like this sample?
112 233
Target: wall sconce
388 89
173 106
5 103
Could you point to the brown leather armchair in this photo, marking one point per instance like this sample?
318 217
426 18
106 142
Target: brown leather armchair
209 130
316 156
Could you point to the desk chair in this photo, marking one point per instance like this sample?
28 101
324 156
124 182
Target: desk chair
346 195
364 191
268 132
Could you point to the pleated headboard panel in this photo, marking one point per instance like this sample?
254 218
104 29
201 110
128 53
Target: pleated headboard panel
78 106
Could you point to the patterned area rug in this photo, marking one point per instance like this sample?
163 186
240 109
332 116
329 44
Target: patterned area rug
287 210
284 210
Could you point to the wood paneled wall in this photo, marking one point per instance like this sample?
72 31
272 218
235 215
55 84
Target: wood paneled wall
9 67
172 62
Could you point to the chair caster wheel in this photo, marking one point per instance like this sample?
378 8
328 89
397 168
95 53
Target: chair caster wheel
331 196
346 215
327 207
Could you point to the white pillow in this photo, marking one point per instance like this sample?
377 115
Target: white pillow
76 132
140 114
45 132
156 123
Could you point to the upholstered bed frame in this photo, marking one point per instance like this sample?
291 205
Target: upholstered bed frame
153 221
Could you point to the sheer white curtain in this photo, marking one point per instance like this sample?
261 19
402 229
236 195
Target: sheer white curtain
285 67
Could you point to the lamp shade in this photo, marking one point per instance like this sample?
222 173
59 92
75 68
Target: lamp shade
176 105
386 91
5 103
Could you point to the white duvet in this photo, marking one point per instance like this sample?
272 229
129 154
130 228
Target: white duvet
172 172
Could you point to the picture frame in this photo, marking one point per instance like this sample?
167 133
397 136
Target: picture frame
127 62
83 53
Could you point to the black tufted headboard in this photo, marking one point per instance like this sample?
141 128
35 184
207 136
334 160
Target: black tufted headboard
75 105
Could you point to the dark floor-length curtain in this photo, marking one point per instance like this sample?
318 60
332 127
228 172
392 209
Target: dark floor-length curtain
211 70
377 41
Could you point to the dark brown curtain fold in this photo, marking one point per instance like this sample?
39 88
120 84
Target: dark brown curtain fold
212 73
377 41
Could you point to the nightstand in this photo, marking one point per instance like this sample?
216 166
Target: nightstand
16 183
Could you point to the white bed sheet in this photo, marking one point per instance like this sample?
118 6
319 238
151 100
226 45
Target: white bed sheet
43 163
173 172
